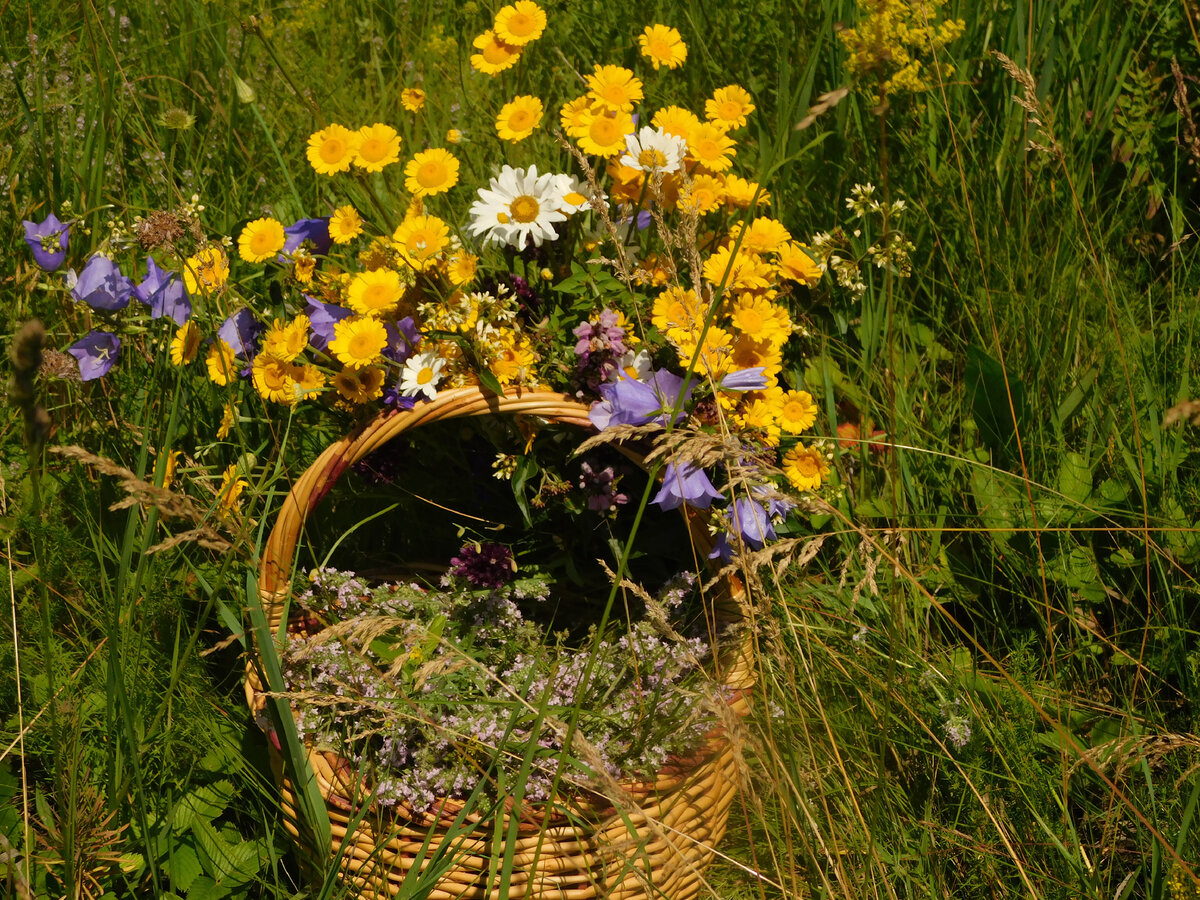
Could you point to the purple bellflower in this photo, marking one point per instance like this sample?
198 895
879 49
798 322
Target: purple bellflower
48 241
102 286
688 484
315 231
402 339
752 522
240 331
164 293
631 402
322 317
96 352
752 379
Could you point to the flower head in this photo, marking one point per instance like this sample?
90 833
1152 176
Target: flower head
221 363
102 286
431 172
47 241
517 208
711 147
285 341
688 484
487 565
358 341
628 401
375 292
614 87
420 239
797 412
185 345
421 374
378 146
359 385
663 46
345 224
96 353
412 99
653 150
313 231
729 107
520 23
261 240
207 271
603 132
494 54
804 467
163 292
518 118
332 149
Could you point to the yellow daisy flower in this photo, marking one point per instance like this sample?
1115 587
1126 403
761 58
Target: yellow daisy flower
795 264
286 340
574 115
762 236
604 132
332 149
518 118
207 271
739 193
804 467
359 385
185 345
737 272
676 120
494 55
750 353
345 224
221 362
711 147
431 172
420 239
614 87
378 146
461 268
520 23
729 107
454 136
273 379
797 412
261 240
358 341
228 417
663 46
761 320
514 361
309 379
412 99
703 195
375 292
678 312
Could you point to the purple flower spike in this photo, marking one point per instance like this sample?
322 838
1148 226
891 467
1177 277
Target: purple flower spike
322 317
745 380
315 231
240 331
102 286
47 241
96 352
686 484
164 293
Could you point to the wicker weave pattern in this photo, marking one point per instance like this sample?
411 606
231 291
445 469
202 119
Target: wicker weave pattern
655 845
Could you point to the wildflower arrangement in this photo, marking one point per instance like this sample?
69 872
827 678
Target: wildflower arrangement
426 689
637 270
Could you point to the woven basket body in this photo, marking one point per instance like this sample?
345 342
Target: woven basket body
651 841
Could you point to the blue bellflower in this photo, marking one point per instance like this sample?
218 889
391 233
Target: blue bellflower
688 484
628 401
96 352
164 293
315 231
321 318
48 241
102 286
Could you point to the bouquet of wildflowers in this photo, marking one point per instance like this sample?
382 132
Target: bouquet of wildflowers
632 268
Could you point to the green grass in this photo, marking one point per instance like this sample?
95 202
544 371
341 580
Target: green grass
1021 556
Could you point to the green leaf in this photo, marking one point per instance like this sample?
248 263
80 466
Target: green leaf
997 404
184 866
203 804
489 380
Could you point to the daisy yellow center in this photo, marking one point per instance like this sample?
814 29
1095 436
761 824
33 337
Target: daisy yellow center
604 130
520 24
521 119
425 376
660 48
794 410
333 149
376 295
432 174
373 150
362 346
524 209
806 465
707 150
652 159
750 320
495 54
575 198
262 242
731 109
615 94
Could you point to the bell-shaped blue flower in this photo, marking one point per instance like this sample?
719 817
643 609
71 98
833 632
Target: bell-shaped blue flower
628 401
315 231
322 317
48 241
102 286
688 484
96 352
164 293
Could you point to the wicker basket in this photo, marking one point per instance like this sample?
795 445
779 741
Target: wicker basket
653 842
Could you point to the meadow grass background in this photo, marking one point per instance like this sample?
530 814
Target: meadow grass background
1016 557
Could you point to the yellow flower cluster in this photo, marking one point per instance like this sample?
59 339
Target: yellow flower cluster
335 148
891 39
514 28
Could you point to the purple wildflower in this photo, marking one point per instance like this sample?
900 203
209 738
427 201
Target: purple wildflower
631 402
102 286
402 339
322 317
745 380
96 352
484 565
315 231
686 483
48 241
601 485
164 293
241 331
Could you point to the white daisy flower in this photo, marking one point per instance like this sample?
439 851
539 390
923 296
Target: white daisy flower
653 150
421 374
575 193
518 207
